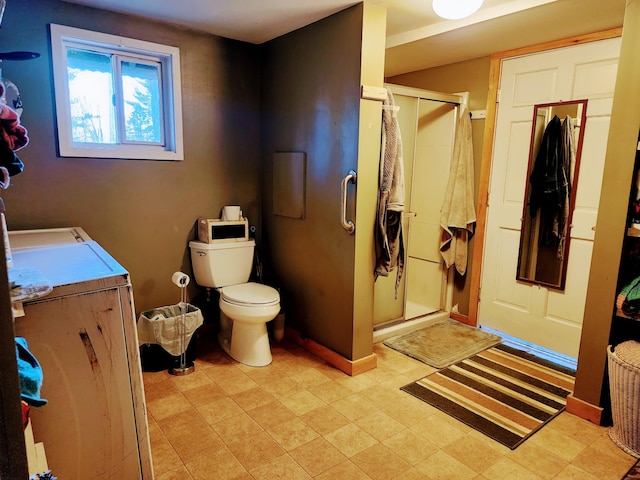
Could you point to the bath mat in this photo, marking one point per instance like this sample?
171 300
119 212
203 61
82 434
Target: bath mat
443 343
502 392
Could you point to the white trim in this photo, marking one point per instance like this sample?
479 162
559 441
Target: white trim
536 350
174 149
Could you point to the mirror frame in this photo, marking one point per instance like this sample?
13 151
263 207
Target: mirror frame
581 121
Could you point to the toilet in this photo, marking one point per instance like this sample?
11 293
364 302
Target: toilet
245 307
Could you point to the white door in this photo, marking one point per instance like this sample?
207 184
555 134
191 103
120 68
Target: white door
548 318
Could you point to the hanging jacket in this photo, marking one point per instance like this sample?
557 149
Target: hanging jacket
548 186
568 156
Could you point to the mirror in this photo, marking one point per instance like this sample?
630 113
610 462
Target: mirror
554 160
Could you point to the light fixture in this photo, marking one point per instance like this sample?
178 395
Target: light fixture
456 9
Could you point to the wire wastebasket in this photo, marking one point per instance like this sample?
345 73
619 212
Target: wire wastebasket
172 327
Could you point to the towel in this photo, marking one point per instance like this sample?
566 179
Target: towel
13 137
392 166
28 283
388 236
30 374
13 133
628 300
458 215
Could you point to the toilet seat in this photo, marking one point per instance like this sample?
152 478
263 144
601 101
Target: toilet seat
250 295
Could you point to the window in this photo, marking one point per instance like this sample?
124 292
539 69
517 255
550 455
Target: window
116 97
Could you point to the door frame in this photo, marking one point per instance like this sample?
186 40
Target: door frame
487 149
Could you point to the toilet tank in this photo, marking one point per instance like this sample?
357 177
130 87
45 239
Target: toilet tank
222 264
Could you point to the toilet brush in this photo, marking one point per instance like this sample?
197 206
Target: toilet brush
182 280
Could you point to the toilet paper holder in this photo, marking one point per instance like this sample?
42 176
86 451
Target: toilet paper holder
181 280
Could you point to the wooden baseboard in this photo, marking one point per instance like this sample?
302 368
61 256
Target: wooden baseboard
350 367
584 410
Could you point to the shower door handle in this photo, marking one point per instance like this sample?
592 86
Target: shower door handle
348 225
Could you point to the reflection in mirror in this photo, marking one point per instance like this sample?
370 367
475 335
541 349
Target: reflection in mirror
554 161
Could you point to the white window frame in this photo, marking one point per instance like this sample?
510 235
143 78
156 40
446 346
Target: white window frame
171 95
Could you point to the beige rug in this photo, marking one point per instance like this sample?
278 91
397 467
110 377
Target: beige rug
443 343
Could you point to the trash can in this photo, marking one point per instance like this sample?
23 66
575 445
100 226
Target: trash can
624 385
161 339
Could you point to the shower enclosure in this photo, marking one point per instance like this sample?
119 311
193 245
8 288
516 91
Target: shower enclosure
427 124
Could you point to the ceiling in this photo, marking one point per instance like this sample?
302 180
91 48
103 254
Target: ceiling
416 37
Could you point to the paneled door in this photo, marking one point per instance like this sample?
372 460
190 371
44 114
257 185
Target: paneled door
546 317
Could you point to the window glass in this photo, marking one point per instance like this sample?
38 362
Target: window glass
142 102
116 97
91 96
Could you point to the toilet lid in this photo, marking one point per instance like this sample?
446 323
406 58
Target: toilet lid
250 294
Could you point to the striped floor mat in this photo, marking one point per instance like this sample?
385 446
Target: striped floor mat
502 392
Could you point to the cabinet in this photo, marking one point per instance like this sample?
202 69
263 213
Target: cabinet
84 335
627 309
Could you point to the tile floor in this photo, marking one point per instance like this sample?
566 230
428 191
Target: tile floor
300 418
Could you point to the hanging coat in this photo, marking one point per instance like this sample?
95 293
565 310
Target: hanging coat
568 159
549 183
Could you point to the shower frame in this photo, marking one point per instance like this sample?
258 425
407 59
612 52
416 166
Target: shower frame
394 326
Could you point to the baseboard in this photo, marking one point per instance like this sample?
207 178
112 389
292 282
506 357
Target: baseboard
584 410
350 367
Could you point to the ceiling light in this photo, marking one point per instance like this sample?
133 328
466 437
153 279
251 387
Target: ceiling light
456 9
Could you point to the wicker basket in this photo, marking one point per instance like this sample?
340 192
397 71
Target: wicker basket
624 384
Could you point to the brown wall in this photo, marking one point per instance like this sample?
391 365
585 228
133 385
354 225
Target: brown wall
310 103
471 76
142 212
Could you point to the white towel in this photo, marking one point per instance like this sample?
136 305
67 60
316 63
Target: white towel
458 215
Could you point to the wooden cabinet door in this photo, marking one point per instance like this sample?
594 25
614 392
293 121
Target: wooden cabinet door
88 424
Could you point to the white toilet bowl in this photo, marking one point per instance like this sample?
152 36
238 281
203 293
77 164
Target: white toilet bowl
243 333
245 307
